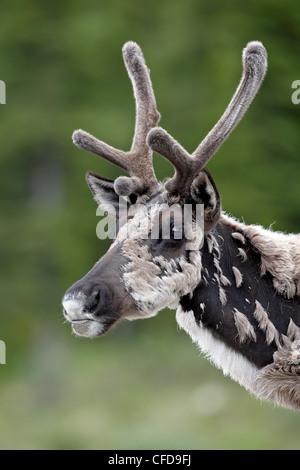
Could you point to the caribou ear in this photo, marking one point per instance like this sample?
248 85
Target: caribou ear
104 194
204 191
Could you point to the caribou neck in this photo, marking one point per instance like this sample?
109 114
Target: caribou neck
236 299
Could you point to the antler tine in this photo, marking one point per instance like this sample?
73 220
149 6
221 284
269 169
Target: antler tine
186 166
147 115
254 70
160 141
138 161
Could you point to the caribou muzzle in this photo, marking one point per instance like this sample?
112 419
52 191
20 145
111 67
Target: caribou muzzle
97 301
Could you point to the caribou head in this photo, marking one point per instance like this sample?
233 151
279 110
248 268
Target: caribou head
235 287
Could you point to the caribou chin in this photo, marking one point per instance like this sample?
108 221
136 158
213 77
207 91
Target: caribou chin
87 328
236 287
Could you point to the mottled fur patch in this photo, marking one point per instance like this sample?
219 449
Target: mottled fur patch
280 254
155 282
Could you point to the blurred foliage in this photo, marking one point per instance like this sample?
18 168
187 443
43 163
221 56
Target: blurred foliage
143 385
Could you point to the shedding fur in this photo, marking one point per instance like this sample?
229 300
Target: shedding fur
221 278
238 276
239 236
244 328
222 296
280 255
242 254
293 332
222 293
266 325
278 382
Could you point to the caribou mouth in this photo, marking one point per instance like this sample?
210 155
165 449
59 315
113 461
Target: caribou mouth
81 321
87 328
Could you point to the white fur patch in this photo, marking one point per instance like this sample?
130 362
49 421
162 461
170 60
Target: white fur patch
74 305
229 361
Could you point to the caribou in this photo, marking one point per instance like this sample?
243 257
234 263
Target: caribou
236 287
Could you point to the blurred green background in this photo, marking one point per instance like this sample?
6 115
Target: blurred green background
144 385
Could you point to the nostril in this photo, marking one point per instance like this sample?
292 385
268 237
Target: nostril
96 298
93 301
